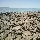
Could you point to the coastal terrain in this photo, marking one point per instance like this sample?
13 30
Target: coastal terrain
20 26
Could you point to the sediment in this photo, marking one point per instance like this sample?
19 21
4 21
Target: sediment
20 26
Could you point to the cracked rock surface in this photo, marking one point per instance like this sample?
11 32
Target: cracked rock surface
20 26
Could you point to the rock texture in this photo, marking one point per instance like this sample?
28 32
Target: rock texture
20 26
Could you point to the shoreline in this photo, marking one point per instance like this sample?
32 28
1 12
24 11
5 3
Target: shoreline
21 12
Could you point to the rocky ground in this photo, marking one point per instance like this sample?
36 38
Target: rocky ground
20 26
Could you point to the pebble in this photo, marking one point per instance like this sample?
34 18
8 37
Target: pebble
20 26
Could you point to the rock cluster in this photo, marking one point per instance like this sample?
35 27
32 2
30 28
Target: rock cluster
20 26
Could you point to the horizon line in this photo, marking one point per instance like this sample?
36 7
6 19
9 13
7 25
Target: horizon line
16 7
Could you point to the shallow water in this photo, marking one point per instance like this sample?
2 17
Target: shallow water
18 9
26 9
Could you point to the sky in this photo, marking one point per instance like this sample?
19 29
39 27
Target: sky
20 3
